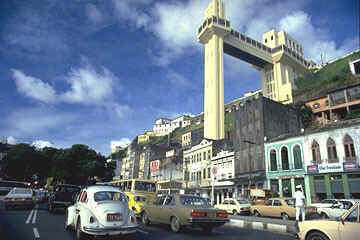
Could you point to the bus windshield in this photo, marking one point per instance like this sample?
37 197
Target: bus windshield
145 186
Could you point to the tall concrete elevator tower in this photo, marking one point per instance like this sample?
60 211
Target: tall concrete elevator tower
279 58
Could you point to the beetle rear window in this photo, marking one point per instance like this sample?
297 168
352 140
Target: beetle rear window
109 196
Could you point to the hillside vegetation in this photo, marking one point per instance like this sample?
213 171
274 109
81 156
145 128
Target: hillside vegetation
334 75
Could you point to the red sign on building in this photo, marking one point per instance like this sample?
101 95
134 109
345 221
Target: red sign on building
154 166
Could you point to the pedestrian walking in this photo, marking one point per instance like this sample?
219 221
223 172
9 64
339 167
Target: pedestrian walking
299 203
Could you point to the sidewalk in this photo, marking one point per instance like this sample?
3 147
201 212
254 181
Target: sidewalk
266 224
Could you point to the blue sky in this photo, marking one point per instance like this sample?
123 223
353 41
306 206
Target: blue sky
92 72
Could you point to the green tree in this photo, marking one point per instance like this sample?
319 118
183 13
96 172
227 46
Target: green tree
307 116
22 162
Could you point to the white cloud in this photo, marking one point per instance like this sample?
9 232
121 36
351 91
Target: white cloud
40 144
123 142
121 110
11 140
31 121
132 12
89 86
86 86
315 40
177 79
93 13
33 87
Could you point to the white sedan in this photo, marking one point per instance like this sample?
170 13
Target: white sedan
337 209
100 211
22 197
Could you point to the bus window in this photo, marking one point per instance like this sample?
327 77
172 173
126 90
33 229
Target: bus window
145 186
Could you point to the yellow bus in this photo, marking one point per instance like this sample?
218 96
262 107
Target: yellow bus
138 191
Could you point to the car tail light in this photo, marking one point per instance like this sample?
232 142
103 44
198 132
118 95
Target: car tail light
198 214
221 214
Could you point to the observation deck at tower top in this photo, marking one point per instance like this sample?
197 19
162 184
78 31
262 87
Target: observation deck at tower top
243 47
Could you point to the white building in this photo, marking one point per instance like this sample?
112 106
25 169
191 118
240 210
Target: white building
223 170
331 160
197 165
164 126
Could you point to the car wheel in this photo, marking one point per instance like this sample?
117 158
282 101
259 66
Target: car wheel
234 212
79 233
67 227
316 236
256 213
324 215
145 219
175 224
284 216
50 208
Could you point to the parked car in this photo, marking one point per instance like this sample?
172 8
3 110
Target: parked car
279 207
338 209
346 227
100 211
234 206
19 197
180 210
62 197
325 203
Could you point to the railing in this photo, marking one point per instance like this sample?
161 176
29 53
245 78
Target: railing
218 21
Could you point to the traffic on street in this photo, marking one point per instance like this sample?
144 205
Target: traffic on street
39 223
179 120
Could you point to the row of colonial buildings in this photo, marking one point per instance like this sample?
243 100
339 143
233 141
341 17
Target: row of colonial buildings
266 145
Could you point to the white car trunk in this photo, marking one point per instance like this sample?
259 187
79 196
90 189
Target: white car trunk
102 209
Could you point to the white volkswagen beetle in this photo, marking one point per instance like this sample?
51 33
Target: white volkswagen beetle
100 211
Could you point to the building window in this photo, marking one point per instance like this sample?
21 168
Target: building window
272 37
285 158
315 149
208 173
265 40
349 148
209 155
204 155
297 157
331 150
273 162
204 173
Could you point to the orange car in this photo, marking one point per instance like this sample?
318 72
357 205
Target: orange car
279 207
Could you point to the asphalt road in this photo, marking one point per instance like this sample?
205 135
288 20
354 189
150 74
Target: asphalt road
38 223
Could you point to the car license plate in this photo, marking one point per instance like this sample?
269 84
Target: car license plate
114 217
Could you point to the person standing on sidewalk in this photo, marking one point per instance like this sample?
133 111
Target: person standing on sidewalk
299 203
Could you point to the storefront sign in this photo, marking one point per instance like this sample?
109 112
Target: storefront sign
312 169
331 167
350 166
154 166
325 168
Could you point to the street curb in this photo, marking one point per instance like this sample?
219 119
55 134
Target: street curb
271 227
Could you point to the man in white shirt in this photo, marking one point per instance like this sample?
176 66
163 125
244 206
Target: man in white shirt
299 203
